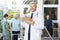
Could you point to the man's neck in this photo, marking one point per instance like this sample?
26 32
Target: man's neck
4 18
15 18
33 11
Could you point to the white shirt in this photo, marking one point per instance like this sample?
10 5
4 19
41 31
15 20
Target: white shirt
37 19
36 29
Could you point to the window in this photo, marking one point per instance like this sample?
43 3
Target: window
51 8
50 1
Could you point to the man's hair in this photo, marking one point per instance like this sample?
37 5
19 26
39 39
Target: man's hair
5 15
33 3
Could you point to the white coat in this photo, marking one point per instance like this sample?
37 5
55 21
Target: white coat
36 30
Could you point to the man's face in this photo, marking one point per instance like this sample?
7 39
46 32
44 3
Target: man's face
15 16
6 17
48 17
32 7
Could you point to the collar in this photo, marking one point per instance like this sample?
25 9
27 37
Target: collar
34 13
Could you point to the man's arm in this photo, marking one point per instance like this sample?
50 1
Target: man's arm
28 20
39 23
10 26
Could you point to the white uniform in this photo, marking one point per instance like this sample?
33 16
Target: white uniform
36 30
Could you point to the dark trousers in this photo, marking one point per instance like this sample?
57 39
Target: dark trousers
50 30
15 37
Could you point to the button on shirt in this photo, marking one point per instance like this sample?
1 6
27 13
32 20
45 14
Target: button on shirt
15 24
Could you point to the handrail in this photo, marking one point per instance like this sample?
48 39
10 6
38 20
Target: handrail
48 33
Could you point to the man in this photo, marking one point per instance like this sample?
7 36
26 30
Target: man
15 26
49 24
32 23
5 26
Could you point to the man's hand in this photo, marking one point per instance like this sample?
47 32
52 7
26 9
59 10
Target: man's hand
32 23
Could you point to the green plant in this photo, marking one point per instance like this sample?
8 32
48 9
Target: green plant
10 13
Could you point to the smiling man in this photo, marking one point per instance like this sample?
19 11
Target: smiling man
33 28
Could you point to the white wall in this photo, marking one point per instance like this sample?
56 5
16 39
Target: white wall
59 19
